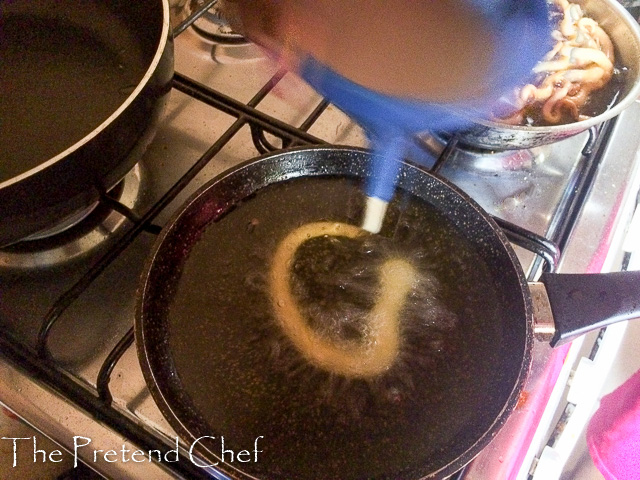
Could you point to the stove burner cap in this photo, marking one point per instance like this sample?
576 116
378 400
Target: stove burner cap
77 237
213 26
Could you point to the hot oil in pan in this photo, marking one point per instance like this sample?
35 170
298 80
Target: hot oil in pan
60 80
247 379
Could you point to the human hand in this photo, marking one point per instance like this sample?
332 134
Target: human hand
403 68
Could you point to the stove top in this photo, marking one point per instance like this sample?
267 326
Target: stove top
67 363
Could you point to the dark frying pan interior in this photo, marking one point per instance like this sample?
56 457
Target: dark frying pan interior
65 69
218 364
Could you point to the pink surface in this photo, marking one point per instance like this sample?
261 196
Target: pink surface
613 434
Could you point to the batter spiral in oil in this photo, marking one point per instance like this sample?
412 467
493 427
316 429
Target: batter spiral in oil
370 356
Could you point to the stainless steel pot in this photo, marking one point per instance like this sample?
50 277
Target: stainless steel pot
625 35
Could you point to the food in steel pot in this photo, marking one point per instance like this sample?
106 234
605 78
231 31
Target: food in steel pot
624 32
577 79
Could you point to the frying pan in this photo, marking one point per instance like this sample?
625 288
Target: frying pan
625 35
217 370
82 89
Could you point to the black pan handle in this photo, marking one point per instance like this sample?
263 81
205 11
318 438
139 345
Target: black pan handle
584 302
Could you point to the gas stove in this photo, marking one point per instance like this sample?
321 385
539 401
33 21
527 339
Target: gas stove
67 363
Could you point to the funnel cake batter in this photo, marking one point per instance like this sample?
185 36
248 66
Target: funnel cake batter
360 359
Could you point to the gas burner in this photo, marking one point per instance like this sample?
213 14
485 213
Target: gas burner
63 225
490 162
213 26
77 237
211 36
486 161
